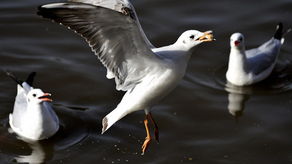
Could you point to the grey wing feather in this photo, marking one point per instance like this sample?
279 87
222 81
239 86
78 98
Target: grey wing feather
263 57
116 5
119 6
114 37
51 111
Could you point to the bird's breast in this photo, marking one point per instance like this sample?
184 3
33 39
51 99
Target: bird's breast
153 88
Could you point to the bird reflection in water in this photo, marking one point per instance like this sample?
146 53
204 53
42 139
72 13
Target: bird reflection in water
236 103
237 97
40 152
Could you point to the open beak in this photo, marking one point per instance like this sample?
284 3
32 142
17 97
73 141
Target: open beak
236 43
46 97
206 37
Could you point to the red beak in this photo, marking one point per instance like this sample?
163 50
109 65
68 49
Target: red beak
46 97
236 43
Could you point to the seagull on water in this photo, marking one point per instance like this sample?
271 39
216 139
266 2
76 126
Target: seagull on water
33 117
144 72
247 67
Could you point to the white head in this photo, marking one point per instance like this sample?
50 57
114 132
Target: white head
237 41
37 96
192 38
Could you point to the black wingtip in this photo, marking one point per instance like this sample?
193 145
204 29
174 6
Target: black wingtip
45 13
30 78
39 10
279 31
13 77
48 13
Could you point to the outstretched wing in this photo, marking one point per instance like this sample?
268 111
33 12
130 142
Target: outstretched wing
115 37
116 5
119 6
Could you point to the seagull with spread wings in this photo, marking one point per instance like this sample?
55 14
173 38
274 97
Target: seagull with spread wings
113 32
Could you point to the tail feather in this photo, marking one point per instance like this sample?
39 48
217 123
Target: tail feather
104 125
112 118
279 31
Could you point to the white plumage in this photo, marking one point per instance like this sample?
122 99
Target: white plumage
113 31
33 116
247 67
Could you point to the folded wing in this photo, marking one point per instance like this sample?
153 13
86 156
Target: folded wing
263 57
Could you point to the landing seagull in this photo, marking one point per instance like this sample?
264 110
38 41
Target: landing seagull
33 117
113 32
247 67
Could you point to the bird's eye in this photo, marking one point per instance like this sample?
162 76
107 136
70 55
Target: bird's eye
192 36
34 95
240 39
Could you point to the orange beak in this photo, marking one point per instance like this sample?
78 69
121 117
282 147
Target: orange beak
207 37
46 97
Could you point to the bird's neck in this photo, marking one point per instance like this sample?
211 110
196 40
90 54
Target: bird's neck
38 109
34 105
238 60
174 51
34 110
42 112
178 45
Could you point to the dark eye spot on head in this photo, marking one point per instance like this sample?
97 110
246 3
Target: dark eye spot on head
34 95
192 36
240 39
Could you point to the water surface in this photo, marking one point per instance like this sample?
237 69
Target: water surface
204 120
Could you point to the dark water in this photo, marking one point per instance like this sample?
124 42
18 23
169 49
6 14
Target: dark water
202 121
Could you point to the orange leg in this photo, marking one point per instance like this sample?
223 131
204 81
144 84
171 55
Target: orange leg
156 131
148 137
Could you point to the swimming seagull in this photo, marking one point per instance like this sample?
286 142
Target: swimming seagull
113 31
33 117
247 67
